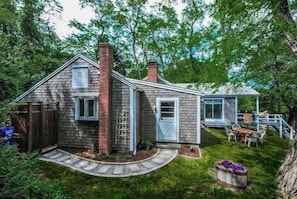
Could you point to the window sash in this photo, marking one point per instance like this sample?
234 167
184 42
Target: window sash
213 108
80 77
167 109
86 109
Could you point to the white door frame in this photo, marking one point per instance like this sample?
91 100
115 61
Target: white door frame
167 123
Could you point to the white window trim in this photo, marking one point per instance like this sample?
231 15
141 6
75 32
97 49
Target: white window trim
223 110
86 108
74 85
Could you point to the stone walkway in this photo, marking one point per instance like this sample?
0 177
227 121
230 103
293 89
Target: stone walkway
111 169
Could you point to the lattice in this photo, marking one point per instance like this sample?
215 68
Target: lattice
122 128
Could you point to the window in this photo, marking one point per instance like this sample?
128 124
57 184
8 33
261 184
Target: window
213 108
80 77
86 108
167 109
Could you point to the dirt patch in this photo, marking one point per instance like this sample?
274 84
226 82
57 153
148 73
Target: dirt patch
126 156
189 151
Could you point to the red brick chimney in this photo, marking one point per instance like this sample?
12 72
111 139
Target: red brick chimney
105 94
152 75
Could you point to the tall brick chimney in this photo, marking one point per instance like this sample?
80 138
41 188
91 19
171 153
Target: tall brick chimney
152 72
105 95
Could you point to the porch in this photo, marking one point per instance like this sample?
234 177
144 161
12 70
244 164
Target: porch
274 120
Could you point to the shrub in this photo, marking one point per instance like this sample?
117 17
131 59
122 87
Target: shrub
146 144
18 179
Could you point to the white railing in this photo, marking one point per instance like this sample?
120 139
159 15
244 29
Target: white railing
275 120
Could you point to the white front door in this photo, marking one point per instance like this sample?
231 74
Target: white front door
167 119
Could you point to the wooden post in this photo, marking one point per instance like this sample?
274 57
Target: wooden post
42 131
30 127
56 130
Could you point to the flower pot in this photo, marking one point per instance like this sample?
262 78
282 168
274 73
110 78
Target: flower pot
236 178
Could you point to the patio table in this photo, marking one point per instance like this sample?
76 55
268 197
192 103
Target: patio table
243 131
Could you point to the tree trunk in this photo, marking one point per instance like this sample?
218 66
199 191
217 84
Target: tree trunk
293 117
287 174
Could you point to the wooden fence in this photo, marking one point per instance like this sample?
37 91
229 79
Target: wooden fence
36 126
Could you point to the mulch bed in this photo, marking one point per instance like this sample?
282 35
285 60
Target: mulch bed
115 156
125 156
189 151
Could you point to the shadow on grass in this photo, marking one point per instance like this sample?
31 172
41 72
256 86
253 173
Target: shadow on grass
208 138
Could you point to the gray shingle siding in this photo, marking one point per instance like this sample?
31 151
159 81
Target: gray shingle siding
71 133
120 104
187 113
229 107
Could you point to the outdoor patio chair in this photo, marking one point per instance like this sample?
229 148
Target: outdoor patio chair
236 126
238 135
230 134
253 138
262 132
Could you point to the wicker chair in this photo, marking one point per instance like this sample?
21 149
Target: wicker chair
230 134
254 138
236 126
262 133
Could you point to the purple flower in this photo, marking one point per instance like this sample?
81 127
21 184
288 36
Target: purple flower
234 167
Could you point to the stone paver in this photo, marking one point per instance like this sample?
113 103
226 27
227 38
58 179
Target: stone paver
158 160
81 163
104 169
134 167
91 166
64 157
57 155
148 165
118 170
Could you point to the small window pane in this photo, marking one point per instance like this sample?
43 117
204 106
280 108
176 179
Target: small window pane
217 111
213 108
91 107
80 77
81 108
167 109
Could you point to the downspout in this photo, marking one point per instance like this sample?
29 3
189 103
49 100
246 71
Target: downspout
199 120
132 120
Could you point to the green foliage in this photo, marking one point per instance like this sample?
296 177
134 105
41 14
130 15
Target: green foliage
246 103
18 177
146 144
29 47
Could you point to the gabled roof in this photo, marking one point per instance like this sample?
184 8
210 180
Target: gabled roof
223 90
115 74
167 87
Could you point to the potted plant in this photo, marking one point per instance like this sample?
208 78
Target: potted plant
232 174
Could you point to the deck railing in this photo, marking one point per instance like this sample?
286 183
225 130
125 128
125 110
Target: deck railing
275 120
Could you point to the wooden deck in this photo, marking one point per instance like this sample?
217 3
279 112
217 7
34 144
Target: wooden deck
274 120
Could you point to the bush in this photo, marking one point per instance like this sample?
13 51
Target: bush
146 144
18 179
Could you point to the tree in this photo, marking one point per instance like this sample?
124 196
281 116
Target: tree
287 174
29 47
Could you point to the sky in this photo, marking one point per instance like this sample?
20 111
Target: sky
72 10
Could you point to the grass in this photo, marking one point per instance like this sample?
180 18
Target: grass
187 178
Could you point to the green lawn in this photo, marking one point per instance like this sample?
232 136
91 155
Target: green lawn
187 178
